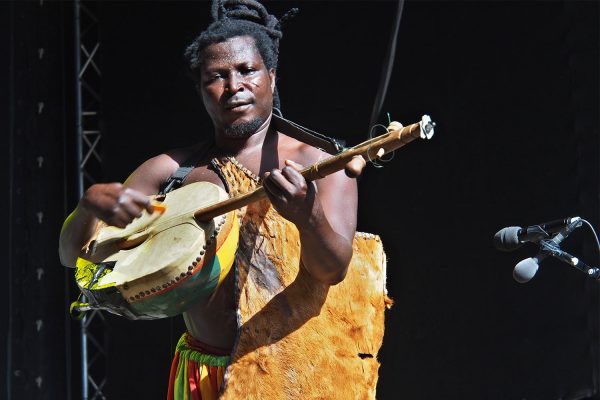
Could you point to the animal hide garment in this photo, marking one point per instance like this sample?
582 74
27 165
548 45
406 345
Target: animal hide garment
297 337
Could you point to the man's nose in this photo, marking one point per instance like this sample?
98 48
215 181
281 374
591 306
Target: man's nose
235 83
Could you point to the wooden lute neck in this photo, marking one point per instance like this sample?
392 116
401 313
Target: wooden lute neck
372 149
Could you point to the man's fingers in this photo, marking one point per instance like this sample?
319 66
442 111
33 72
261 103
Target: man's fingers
140 200
287 183
119 218
292 175
138 197
295 165
292 171
271 188
132 209
277 183
149 207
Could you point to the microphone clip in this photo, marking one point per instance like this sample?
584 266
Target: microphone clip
573 223
537 233
551 247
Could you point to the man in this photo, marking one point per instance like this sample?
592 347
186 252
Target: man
234 62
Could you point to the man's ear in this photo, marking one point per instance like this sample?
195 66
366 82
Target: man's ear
272 75
197 86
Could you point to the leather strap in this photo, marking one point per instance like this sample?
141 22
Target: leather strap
176 180
315 139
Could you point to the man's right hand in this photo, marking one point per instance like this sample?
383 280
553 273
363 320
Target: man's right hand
114 203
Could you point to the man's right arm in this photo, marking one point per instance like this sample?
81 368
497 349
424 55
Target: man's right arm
114 203
109 202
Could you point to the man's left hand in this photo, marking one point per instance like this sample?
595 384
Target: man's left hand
291 195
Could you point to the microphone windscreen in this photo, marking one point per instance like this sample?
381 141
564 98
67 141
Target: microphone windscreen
507 239
525 270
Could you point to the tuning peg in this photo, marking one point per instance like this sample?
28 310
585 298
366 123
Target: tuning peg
355 166
394 126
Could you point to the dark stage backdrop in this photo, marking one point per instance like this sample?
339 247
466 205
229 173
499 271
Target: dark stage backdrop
514 89
35 328
4 129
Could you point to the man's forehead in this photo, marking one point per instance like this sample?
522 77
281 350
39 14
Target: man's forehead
237 49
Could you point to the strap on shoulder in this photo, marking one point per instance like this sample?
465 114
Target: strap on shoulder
176 180
292 129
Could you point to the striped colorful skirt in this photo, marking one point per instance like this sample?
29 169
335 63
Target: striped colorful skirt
197 370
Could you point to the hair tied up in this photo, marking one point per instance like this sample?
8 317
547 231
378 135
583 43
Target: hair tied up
253 11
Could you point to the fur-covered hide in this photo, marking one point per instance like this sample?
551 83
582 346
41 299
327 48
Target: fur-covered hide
299 338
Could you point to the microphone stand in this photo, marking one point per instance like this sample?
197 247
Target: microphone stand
550 247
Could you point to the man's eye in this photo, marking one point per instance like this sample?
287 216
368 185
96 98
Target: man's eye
248 71
213 77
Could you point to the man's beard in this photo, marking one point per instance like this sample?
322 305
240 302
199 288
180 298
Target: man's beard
243 129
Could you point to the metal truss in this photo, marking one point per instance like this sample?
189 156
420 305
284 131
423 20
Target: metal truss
94 341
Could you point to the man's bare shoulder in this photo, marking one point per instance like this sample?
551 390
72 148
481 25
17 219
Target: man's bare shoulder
152 173
301 152
308 155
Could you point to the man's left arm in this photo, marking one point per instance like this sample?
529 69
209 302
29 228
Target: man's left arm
324 213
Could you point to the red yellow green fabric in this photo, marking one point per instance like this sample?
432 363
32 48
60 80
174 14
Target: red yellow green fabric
197 370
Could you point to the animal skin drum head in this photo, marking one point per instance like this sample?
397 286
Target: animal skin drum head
168 262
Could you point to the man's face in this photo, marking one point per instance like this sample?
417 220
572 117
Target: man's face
236 87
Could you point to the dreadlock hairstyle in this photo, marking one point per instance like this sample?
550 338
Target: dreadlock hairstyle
233 18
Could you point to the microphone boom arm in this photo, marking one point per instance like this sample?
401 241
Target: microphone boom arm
549 247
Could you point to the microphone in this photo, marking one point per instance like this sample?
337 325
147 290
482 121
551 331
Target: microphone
526 269
513 237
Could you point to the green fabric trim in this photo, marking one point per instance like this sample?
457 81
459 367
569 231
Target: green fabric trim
187 353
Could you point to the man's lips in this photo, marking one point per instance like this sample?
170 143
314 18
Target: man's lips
237 106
